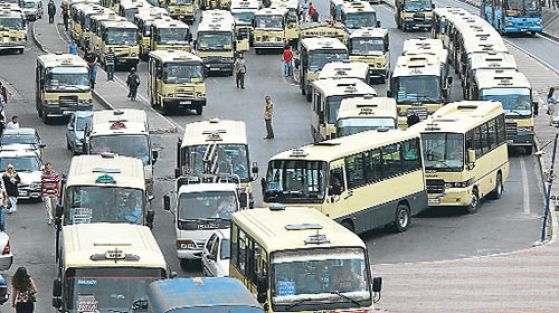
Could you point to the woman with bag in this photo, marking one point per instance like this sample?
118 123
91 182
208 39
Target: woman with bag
551 104
11 182
23 291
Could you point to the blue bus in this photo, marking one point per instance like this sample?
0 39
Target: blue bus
513 16
201 295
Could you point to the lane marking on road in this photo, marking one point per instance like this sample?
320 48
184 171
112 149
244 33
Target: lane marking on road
525 189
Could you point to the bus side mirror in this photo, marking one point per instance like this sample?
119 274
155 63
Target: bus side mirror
155 155
536 108
388 93
149 218
254 170
167 203
471 156
449 81
433 6
42 145
377 284
378 24
261 289
263 184
58 211
177 172
56 290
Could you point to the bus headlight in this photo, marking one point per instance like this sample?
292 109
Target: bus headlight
510 24
463 184
538 22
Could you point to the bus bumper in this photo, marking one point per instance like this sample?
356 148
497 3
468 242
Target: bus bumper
450 197
183 103
56 109
378 72
269 44
217 66
417 22
32 191
523 29
7 45
133 60
522 138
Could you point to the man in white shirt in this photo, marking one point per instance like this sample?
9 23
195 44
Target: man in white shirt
13 124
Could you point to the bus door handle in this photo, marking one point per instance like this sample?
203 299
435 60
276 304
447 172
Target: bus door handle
349 194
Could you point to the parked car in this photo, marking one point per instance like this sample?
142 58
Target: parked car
21 139
33 9
28 165
216 253
75 130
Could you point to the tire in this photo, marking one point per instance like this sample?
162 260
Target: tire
528 150
402 219
21 50
45 118
40 112
185 264
69 146
498 191
199 110
257 51
348 225
474 205
308 96
382 80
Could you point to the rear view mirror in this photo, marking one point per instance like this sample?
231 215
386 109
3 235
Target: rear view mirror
57 288
388 93
378 24
155 155
377 284
42 145
149 218
471 156
166 203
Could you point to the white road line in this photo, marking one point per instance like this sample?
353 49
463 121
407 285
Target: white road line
525 189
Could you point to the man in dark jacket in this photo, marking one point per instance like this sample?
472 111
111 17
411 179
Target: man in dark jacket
133 81
51 10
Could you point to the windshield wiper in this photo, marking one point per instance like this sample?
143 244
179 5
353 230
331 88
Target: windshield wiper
345 297
294 304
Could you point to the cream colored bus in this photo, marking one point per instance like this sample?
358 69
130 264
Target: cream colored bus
351 179
327 96
465 153
105 189
168 33
106 268
298 260
364 113
220 148
371 46
269 27
427 46
488 62
124 132
345 69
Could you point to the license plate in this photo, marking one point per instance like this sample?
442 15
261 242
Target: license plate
214 68
433 201
23 193
186 102
66 112
523 29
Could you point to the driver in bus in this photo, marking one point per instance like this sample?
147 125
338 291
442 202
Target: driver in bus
132 212
345 279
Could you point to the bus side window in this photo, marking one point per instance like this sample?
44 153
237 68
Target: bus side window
337 183
373 166
485 146
242 252
355 172
492 134
234 245
410 154
392 161
477 141
256 264
501 133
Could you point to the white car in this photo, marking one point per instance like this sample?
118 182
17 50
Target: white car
215 256
28 165
21 139
6 256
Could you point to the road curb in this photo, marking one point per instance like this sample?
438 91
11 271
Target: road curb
104 102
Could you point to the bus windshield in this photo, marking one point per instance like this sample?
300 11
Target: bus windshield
354 125
26 139
418 89
417 5
318 58
309 278
103 204
21 164
243 17
130 13
67 78
182 73
11 23
207 204
515 101
443 151
291 16
215 41
360 20
333 104
532 8
232 159
121 36
269 21
295 181
109 289
135 146
146 29
183 2
367 46
172 36
30 5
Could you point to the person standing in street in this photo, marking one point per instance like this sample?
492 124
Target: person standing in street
110 62
91 59
23 291
287 61
50 190
4 206
268 111
73 48
240 71
51 10
133 81
65 8
14 123
4 93
11 182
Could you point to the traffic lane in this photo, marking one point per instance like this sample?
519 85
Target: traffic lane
508 224
540 47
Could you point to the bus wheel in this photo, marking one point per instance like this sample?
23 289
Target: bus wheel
498 191
474 205
185 264
199 110
528 150
349 225
403 218
309 96
46 118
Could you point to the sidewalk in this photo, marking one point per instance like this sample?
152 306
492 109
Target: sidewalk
111 94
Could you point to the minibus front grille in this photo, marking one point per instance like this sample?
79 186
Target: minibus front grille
435 186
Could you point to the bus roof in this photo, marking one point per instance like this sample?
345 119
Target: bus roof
177 56
459 117
271 12
128 4
368 32
121 23
91 245
269 227
345 69
337 148
108 15
356 7
245 4
202 187
499 78
86 170
288 4
317 43
214 130
342 86
216 20
121 115
411 65
168 22
423 46
368 106
492 60
173 295
321 29
149 13
61 60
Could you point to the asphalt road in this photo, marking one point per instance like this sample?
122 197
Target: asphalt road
504 225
